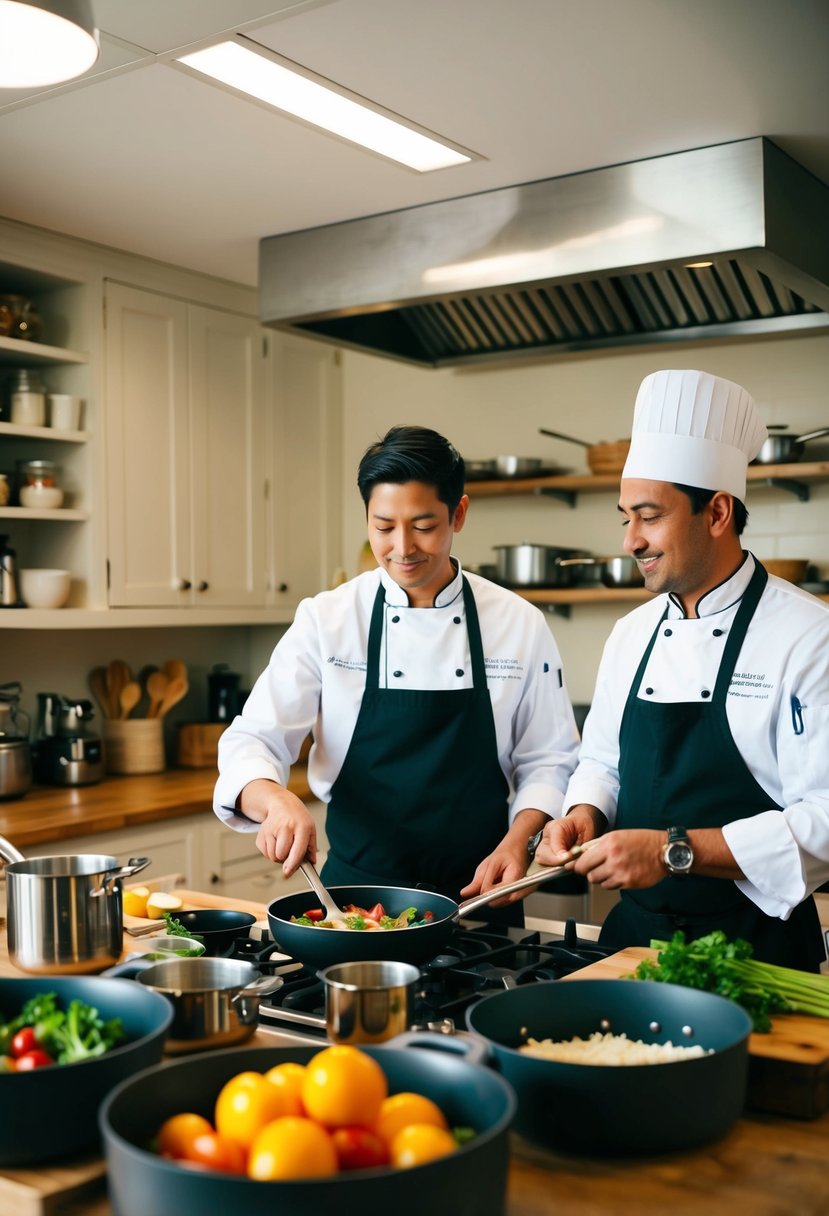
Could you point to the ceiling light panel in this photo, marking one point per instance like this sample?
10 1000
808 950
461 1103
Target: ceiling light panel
279 83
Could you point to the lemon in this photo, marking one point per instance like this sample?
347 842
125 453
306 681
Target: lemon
135 901
161 902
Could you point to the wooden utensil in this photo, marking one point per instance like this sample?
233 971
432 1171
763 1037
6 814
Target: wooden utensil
130 696
157 685
118 674
176 689
98 685
175 669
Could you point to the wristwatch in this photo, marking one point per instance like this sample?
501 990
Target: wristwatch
677 854
533 843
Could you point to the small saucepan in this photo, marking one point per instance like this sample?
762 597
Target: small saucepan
609 571
529 565
779 448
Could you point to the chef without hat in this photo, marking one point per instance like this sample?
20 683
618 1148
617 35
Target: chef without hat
696 429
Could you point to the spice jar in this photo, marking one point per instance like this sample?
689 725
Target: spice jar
5 490
39 484
27 398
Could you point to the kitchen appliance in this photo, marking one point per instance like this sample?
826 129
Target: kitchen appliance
724 241
64 914
779 448
15 750
66 750
9 590
222 693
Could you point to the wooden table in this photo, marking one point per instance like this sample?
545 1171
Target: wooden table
765 1166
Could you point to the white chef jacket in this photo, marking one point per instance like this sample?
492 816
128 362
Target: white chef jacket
316 678
778 712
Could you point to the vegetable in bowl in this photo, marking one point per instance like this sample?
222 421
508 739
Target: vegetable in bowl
364 919
42 1034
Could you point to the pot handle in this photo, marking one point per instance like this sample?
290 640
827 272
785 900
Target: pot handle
507 888
580 561
261 987
813 435
8 852
133 866
459 1044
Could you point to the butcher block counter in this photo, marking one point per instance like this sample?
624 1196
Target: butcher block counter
57 813
767 1165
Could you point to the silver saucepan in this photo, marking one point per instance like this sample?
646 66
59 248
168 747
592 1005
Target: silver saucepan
609 571
529 565
65 913
779 448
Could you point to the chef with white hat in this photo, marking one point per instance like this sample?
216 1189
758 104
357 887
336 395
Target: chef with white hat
703 779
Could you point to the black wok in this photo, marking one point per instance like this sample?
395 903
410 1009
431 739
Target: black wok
470 1182
325 947
607 1110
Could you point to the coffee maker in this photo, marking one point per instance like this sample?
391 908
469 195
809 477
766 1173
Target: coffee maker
66 752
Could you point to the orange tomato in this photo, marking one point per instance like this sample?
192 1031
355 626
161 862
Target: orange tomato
419 1143
400 1110
211 1151
246 1103
176 1134
288 1078
343 1086
292 1147
359 1148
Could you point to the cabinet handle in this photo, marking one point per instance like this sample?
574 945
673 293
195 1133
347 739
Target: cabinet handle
215 879
202 586
184 584
282 587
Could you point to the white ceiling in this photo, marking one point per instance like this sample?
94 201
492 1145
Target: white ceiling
143 157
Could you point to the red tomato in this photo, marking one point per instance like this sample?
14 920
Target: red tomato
377 912
314 914
211 1151
23 1041
33 1059
358 1148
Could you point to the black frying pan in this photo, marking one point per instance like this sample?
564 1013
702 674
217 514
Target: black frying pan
623 1109
325 947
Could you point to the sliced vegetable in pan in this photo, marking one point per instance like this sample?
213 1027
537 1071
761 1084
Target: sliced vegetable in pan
363 919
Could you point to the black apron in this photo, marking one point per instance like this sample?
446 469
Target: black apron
421 798
679 765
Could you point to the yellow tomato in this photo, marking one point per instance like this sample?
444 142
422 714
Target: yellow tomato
246 1103
176 1134
399 1110
292 1147
419 1143
288 1078
343 1086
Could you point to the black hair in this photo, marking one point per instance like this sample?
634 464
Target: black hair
699 498
413 453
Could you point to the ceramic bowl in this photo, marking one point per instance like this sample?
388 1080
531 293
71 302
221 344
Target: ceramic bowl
45 497
45 588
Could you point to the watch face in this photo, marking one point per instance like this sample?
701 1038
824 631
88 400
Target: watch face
679 856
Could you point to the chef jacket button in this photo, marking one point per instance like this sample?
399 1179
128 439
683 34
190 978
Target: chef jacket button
705 694
649 692
397 673
669 633
718 633
456 620
458 671
395 619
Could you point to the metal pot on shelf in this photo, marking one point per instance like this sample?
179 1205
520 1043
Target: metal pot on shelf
780 448
617 572
530 565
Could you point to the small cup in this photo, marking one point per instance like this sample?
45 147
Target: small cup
64 412
368 1002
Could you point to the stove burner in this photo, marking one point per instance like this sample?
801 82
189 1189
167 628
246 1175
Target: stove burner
479 959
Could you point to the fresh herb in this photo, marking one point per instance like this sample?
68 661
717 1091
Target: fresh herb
355 921
713 964
463 1135
176 929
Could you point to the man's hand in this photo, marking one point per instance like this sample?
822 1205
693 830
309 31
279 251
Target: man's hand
288 832
508 861
581 825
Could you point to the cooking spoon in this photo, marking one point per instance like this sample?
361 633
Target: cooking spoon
129 698
174 669
176 689
332 910
157 684
98 684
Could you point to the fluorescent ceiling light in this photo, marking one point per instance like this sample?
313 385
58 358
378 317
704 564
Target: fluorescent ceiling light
278 83
45 42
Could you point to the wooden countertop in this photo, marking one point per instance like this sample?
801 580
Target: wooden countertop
48 813
766 1165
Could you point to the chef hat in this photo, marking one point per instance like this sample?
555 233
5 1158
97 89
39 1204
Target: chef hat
695 429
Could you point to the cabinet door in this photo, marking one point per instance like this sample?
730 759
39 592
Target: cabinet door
148 456
306 445
227 390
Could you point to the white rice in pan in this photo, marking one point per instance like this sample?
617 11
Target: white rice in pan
609 1049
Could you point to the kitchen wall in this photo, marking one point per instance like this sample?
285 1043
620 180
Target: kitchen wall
497 412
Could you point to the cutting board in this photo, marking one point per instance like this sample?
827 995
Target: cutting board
788 1068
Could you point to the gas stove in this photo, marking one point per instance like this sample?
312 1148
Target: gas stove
480 958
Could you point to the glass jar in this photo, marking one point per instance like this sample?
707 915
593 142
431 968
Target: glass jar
39 473
38 484
27 398
19 318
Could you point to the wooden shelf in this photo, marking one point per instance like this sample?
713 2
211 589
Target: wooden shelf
13 350
9 430
794 477
61 514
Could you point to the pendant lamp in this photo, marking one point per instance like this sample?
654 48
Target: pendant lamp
45 42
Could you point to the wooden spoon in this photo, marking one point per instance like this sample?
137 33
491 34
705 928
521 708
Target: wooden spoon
176 690
118 674
156 688
98 684
130 696
175 669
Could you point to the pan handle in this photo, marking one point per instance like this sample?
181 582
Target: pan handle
474 1050
8 852
813 435
569 438
133 866
507 888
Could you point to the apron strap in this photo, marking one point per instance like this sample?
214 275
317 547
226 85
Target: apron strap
737 633
375 637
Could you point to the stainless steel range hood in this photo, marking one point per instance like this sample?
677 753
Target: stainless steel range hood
597 259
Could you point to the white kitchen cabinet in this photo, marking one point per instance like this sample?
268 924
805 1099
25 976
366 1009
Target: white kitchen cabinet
305 479
185 405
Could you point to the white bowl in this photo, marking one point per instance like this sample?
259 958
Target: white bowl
41 496
45 588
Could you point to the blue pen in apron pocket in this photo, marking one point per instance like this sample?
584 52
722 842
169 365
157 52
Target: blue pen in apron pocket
797 716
